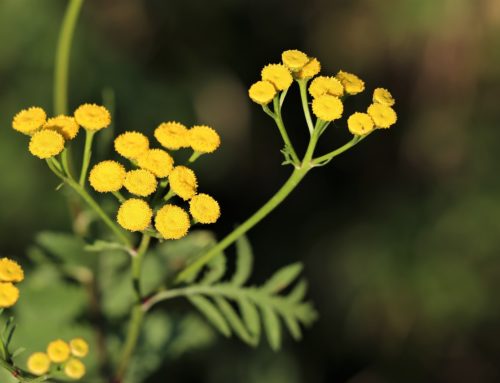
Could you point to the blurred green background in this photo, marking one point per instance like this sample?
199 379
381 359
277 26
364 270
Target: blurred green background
400 236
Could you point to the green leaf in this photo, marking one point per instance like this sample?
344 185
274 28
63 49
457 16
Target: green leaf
244 261
211 313
216 270
250 316
294 327
272 327
100 246
234 321
18 352
282 278
299 292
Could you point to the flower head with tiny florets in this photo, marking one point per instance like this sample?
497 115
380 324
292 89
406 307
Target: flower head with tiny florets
382 115
204 208
360 124
38 363
134 215
46 144
92 117
157 161
10 271
9 294
28 121
326 85
203 139
79 347
327 108
294 59
172 222
262 92
140 182
65 125
278 75
311 69
131 144
383 96
183 182
107 176
58 351
352 83
172 135
74 368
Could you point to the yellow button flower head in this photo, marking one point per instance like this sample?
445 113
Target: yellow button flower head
172 222
183 182
294 59
383 96
46 143
65 125
92 116
360 124
352 83
140 182
172 135
107 176
74 368
134 215
131 144
10 271
28 121
383 116
79 347
262 92
38 363
204 208
9 294
326 85
327 108
58 351
203 139
157 161
278 75
311 69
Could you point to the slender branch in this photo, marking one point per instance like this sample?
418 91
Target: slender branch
281 126
137 264
305 104
87 153
334 153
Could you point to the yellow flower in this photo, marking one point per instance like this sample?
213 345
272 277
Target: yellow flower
131 144
9 294
140 182
157 161
79 347
58 351
183 182
172 135
326 85
360 124
383 96
311 69
74 368
107 176
383 116
92 116
29 120
172 222
352 83
294 59
278 75
10 271
46 143
327 108
204 208
203 139
38 363
134 215
65 125
262 92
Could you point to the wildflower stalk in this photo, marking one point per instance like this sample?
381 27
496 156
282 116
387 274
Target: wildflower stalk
87 153
305 105
281 126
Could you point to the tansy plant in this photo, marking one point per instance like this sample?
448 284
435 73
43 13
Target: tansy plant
148 198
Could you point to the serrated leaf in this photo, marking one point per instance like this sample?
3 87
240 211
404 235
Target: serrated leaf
282 278
299 292
235 322
250 316
99 246
211 313
18 352
216 270
272 327
293 327
244 261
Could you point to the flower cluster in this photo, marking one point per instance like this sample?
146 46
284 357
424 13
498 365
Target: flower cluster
153 170
10 273
64 356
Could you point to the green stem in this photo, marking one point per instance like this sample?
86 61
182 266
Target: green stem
305 104
119 196
281 126
87 153
137 260
194 157
334 153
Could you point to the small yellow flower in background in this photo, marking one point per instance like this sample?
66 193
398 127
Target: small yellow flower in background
65 125
383 116
360 124
10 271
326 85
278 75
131 144
203 139
311 69
204 208
140 182
383 96
262 92
79 347
157 161
46 143
92 116
107 176
183 182
38 363
134 214
58 351
9 294
294 59
327 108
74 369
172 222
352 83
28 121
172 135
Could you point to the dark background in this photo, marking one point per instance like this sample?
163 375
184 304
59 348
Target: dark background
399 237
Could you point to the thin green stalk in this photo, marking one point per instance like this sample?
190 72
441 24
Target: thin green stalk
87 153
334 153
281 126
194 157
119 196
137 260
305 104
